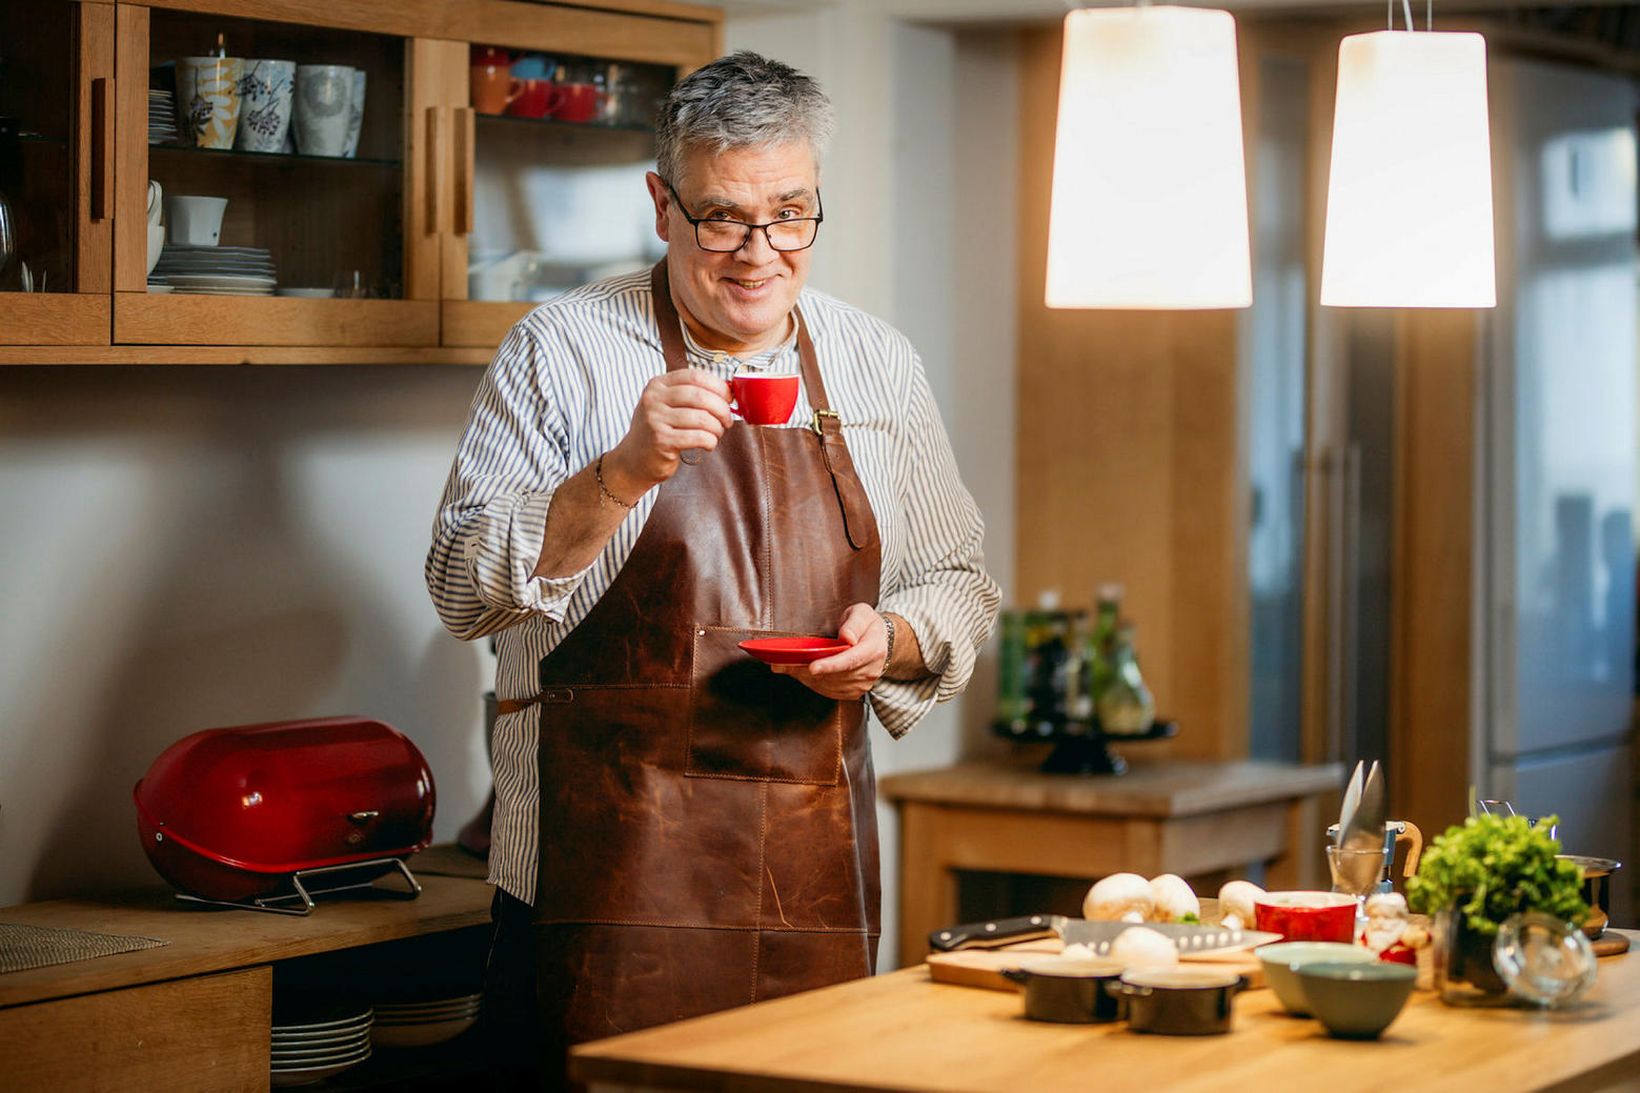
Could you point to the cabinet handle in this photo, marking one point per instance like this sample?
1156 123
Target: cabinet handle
435 173
102 109
464 137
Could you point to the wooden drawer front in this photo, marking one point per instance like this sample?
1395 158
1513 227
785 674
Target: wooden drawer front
482 324
50 318
210 1033
146 319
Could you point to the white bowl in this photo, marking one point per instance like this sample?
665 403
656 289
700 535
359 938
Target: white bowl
156 244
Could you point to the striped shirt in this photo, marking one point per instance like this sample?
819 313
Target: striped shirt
561 391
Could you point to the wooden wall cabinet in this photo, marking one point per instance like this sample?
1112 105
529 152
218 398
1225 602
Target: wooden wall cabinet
442 230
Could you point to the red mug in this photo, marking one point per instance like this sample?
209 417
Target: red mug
1307 916
764 400
536 99
581 102
493 88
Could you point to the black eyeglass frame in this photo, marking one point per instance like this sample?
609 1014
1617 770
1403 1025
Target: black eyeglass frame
695 222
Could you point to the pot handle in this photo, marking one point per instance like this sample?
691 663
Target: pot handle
1242 983
1015 975
1415 851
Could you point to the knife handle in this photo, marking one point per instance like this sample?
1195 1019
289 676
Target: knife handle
992 934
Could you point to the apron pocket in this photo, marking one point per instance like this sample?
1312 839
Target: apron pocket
748 722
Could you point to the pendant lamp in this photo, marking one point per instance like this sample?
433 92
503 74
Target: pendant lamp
1149 183
1409 197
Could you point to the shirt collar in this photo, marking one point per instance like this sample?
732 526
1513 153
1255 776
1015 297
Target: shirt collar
757 362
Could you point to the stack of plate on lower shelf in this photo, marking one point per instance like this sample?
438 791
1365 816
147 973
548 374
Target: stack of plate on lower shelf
415 1024
313 1042
162 117
215 271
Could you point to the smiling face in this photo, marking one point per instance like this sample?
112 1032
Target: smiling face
739 302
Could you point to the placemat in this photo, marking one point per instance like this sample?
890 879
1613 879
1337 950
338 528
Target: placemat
23 947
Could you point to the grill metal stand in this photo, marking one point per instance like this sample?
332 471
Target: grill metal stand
353 875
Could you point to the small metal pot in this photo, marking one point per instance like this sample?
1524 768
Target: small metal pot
1068 991
1178 1001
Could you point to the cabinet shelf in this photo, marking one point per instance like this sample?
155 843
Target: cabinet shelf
286 160
564 126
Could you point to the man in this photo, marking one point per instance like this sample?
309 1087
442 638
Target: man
678 828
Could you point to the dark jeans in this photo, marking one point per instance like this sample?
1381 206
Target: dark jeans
525 1053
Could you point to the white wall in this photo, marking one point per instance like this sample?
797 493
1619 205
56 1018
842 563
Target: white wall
192 547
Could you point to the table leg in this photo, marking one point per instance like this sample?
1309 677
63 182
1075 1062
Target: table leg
928 886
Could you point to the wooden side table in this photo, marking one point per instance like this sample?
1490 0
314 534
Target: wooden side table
1166 817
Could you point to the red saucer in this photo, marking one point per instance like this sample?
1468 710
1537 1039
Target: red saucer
793 650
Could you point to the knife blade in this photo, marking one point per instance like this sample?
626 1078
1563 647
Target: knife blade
1352 798
1365 830
1098 936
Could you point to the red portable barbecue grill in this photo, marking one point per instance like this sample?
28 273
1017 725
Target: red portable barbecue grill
250 816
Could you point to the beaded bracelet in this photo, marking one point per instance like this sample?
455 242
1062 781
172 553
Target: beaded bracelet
603 488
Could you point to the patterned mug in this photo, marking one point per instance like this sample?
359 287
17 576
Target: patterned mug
208 99
266 92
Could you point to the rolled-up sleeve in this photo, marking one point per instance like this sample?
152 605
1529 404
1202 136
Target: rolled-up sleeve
492 518
941 588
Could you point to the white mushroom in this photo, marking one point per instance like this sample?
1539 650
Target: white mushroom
1142 947
1236 901
1174 900
1120 897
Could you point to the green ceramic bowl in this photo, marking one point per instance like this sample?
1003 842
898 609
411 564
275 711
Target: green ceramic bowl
1283 960
1357 1001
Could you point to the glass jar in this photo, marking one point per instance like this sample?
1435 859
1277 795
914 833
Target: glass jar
1465 974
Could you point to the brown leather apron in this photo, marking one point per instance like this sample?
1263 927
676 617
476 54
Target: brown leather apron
708 827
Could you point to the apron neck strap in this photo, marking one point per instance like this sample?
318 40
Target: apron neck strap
671 332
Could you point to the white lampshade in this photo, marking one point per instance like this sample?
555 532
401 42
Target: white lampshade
1409 201
1149 180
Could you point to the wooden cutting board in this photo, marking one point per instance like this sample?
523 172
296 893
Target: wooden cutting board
983 967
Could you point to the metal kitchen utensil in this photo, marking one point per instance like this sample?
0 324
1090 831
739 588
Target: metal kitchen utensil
1364 830
1098 936
1352 798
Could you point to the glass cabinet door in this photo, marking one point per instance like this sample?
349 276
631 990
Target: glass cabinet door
56 96
265 199
550 148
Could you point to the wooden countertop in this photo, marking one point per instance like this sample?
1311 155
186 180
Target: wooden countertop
205 939
901 1031
1156 789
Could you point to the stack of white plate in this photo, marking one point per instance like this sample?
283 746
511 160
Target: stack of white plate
323 1043
162 117
215 271
414 1024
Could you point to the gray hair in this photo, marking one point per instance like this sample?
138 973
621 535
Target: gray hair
744 100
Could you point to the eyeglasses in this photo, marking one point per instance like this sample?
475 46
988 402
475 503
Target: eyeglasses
728 236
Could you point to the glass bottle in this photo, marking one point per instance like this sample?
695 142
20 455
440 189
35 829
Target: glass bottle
1013 670
1125 706
1097 645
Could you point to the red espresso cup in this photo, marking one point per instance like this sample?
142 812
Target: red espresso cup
764 400
578 102
1307 916
535 98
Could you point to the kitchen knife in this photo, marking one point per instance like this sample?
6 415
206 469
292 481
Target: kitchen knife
1365 828
1352 798
1098 936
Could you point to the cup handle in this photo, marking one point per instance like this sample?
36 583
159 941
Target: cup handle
515 89
555 99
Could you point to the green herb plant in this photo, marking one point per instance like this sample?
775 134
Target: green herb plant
1491 867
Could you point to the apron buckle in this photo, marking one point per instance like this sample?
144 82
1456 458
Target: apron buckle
818 414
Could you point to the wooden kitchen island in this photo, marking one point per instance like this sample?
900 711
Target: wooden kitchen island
901 1031
1189 818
